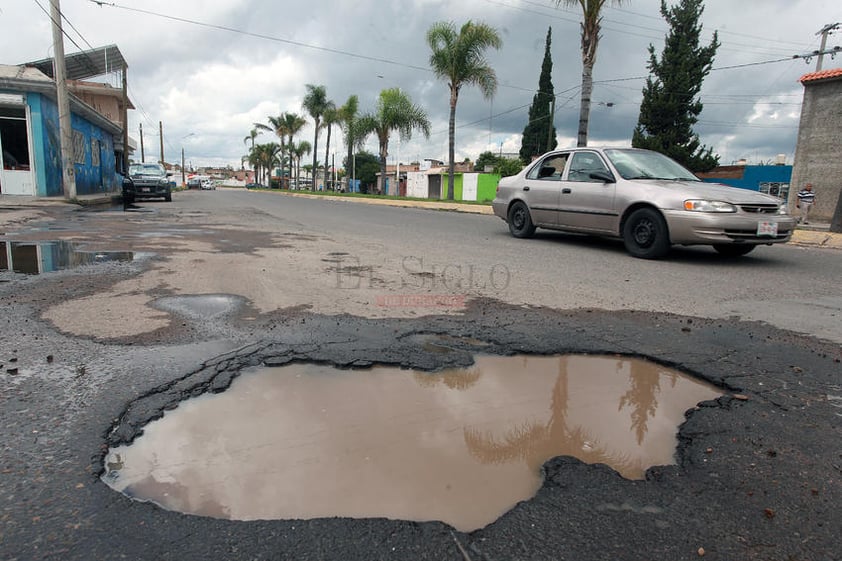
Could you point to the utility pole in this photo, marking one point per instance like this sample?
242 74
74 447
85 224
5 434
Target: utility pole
125 162
68 169
824 32
161 137
142 154
183 178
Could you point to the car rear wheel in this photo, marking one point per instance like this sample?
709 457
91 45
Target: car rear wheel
520 222
645 234
734 250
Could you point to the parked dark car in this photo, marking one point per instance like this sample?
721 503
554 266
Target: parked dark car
194 183
255 186
150 181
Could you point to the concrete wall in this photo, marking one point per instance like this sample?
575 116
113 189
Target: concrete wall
417 185
487 186
818 152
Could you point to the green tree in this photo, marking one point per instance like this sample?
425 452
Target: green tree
298 151
395 112
485 159
251 136
539 135
264 157
508 166
330 117
459 58
276 125
349 114
367 165
670 105
591 20
316 103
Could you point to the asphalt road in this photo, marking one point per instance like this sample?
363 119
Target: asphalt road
794 288
91 354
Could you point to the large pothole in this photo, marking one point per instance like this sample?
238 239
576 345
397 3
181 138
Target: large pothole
461 446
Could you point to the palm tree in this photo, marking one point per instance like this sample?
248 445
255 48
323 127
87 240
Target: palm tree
395 112
348 114
277 127
590 39
458 57
251 136
316 103
293 123
298 151
331 117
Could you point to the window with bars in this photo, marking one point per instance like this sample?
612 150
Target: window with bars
78 147
776 189
94 152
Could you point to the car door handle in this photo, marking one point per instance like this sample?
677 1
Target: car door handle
565 191
526 188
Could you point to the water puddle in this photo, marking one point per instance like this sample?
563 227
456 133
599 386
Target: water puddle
461 446
202 307
34 258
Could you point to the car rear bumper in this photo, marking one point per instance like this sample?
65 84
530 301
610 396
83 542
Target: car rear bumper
689 228
500 208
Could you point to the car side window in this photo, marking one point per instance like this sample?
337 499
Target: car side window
550 169
583 165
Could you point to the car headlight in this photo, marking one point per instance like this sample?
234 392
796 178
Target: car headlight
163 182
782 210
708 206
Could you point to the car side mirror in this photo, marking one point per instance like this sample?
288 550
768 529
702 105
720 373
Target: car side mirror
603 176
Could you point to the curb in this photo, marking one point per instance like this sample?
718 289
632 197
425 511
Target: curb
816 238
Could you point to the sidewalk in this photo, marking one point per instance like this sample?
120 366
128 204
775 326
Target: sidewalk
17 201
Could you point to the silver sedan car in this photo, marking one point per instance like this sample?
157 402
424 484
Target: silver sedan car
642 197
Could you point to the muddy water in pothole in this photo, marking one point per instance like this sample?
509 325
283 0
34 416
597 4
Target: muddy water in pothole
462 446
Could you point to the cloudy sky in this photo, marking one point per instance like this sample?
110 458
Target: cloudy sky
210 69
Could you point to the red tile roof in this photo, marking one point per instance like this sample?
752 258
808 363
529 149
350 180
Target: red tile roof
822 75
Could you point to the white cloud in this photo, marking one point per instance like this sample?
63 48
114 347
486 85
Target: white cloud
216 82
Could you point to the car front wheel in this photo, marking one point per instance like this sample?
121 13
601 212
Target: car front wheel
733 250
520 222
645 234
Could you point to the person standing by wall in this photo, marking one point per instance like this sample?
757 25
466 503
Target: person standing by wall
806 200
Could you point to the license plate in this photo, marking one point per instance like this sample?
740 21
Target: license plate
144 189
767 228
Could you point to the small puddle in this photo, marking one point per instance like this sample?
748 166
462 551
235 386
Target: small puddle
461 446
34 258
201 306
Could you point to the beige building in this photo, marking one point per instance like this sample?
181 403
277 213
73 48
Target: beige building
818 152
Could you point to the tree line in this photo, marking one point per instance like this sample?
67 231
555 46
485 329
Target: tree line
669 109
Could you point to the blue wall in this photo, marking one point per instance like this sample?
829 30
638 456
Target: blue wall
753 176
90 179
45 141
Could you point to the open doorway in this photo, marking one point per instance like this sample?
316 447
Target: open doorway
15 161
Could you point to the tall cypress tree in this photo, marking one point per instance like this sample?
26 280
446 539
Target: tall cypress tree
538 129
670 105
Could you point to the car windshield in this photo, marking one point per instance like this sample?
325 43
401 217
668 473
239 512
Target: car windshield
645 164
146 169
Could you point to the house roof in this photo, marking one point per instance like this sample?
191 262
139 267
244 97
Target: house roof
23 80
833 73
86 64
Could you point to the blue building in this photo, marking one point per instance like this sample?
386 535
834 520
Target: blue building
772 180
30 159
